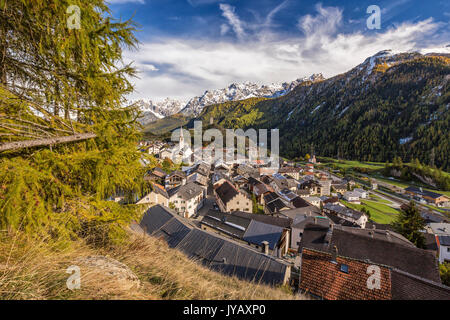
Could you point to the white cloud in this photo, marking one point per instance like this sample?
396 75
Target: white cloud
274 11
148 67
325 23
224 28
188 67
228 12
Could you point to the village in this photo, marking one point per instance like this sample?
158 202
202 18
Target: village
291 225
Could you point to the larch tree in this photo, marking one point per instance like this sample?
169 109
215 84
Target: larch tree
62 76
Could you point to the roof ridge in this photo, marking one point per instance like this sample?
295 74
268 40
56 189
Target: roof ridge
366 261
382 240
441 285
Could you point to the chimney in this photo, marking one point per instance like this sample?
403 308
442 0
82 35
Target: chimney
265 247
334 255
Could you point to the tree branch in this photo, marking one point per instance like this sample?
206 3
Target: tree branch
45 142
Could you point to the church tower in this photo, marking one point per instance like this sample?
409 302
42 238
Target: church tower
181 145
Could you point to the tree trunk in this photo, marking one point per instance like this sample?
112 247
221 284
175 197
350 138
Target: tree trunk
2 56
45 142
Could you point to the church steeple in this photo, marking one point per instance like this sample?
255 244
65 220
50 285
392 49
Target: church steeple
181 138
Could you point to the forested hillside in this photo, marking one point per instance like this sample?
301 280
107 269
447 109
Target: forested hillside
389 106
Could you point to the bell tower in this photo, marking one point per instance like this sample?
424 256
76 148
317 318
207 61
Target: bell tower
181 145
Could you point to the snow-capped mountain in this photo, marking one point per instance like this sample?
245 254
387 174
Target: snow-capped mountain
234 92
241 91
383 59
153 111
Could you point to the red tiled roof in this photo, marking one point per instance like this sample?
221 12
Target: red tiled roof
323 278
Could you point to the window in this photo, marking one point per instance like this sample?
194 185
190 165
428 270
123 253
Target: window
344 268
448 249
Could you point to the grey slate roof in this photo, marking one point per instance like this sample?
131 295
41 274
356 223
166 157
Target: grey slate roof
217 253
189 190
283 222
225 222
308 210
301 220
276 206
424 192
201 246
241 222
226 192
440 228
246 264
222 227
198 178
257 232
155 218
173 232
444 240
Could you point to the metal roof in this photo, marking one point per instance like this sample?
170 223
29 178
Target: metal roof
173 232
218 253
444 240
257 232
155 218
235 260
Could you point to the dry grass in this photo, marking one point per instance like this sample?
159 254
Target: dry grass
37 270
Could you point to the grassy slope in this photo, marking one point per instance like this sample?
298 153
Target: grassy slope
352 163
34 270
379 199
379 212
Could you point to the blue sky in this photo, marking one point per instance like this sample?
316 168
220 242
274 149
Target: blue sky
189 46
